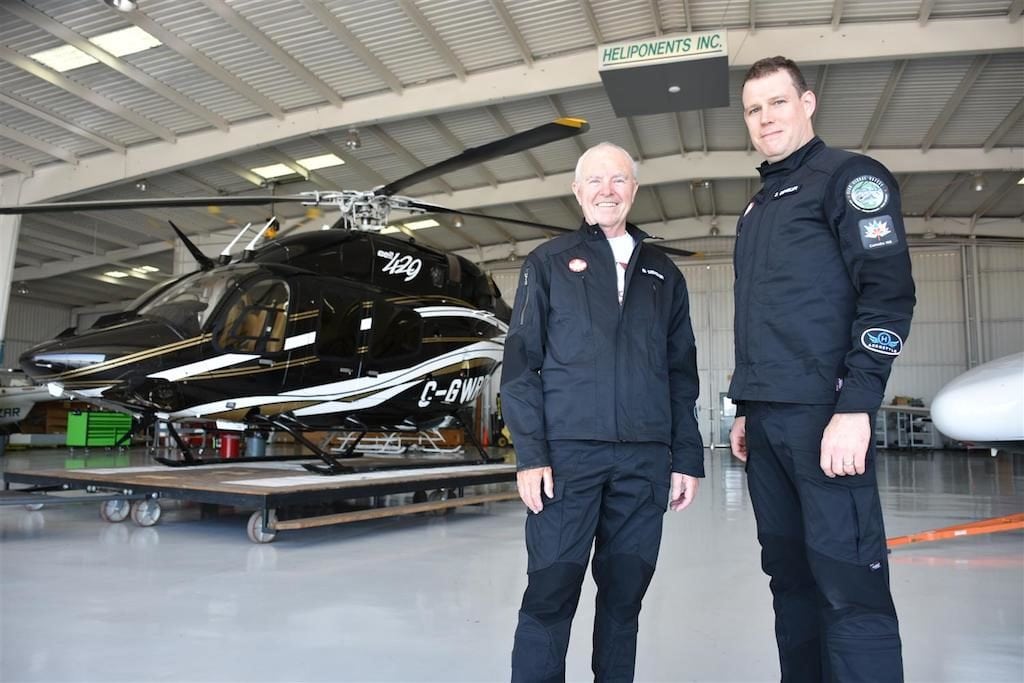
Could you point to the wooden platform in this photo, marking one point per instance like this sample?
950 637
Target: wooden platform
276 486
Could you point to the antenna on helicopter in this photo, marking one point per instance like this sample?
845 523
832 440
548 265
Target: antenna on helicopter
225 256
204 261
251 247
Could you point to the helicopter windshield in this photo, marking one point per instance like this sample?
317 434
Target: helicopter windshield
188 304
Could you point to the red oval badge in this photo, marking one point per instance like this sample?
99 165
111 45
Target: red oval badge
577 265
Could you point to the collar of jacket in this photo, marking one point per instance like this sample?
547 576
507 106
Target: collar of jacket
593 232
791 162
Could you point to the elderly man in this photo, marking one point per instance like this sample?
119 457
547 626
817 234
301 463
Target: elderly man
598 388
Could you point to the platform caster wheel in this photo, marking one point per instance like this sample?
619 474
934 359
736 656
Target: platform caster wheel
442 494
116 510
146 512
33 507
255 527
502 442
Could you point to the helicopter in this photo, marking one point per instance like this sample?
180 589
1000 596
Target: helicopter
346 328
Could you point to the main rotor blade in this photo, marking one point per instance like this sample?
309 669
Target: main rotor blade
435 208
559 129
152 203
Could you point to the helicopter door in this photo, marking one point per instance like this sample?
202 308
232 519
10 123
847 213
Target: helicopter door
257 320
343 332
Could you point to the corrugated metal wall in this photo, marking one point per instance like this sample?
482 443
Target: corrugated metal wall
934 354
29 323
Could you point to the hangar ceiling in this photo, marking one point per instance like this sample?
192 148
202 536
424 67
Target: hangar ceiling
934 88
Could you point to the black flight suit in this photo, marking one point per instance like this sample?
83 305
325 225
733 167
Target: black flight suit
824 298
605 396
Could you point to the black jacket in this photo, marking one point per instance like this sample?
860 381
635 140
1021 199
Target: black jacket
579 366
824 293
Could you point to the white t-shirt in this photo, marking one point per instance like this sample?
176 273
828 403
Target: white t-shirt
622 249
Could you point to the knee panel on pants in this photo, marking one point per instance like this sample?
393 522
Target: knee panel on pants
553 592
622 581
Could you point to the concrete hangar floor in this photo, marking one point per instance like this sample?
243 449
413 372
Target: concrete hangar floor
435 598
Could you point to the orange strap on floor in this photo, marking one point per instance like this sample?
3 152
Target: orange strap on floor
983 526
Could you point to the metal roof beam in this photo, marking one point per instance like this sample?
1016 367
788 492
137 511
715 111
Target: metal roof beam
556 104
635 137
458 148
74 39
17 165
678 129
204 63
655 17
752 14
433 37
1015 10
42 146
53 78
658 203
259 38
242 172
509 130
837 13
349 39
883 104
955 100
406 156
513 31
61 123
686 13
588 14
925 13
703 131
952 186
1003 128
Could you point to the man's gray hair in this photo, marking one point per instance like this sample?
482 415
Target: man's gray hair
605 145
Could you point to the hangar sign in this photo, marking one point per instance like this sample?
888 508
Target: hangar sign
666 74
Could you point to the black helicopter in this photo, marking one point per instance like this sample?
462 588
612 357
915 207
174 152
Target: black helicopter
345 328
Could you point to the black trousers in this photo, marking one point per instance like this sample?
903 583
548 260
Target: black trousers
823 545
614 494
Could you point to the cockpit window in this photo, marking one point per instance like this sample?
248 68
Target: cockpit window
188 304
256 319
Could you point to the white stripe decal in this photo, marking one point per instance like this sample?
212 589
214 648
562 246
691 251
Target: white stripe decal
198 368
336 392
299 340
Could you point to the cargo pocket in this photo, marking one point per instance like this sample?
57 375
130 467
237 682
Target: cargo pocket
544 530
842 521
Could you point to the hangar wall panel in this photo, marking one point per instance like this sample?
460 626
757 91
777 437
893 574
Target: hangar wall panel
1002 305
29 323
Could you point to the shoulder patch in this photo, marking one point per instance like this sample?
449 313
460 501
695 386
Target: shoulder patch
867 193
877 232
883 341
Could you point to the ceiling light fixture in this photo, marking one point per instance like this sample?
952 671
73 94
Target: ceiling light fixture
419 225
979 182
352 140
1021 181
458 222
141 186
320 161
116 273
272 171
122 5
22 289
674 89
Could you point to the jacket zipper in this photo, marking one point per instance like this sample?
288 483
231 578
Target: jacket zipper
526 296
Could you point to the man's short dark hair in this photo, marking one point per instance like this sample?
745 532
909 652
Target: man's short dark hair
769 65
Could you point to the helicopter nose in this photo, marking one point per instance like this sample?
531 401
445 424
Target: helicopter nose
56 358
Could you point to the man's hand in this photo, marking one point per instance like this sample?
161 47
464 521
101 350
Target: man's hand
684 490
844 445
738 438
529 482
